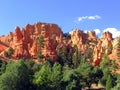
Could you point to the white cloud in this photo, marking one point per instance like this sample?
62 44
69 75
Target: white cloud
85 31
97 31
88 18
115 32
94 17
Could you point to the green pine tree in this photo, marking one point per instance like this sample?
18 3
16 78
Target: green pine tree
109 83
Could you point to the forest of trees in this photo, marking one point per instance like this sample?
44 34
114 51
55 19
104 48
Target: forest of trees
70 72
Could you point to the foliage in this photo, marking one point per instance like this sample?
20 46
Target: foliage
89 54
117 85
108 67
40 42
6 54
71 72
48 76
76 59
2 68
71 79
9 52
15 77
107 63
40 56
62 55
109 83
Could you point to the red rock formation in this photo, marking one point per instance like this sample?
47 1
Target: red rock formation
79 38
113 55
24 42
2 47
92 36
103 46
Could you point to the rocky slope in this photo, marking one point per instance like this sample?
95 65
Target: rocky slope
24 42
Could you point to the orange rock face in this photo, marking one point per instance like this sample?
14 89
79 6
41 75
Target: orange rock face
78 38
103 47
24 42
2 47
113 55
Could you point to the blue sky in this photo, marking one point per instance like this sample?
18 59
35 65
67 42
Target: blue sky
98 15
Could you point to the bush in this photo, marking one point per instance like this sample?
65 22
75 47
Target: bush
9 52
6 54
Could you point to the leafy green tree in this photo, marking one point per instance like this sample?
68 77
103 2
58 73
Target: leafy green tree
71 79
85 70
15 77
56 76
41 78
49 77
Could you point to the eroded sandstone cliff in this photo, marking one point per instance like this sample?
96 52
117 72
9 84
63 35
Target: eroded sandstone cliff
24 42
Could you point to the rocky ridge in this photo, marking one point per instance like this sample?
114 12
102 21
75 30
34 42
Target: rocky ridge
24 42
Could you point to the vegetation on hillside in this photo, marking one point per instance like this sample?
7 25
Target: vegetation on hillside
72 71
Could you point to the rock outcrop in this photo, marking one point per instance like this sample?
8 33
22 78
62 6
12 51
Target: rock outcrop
2 47
103 46
24 42
113 55
79 38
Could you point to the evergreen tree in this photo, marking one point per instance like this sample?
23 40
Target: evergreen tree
62 55
109 83
15 77
3 68
71 79
41 78
76 58
40 43
9 52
